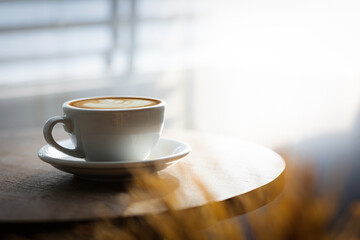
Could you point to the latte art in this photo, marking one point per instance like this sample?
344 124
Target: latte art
114 103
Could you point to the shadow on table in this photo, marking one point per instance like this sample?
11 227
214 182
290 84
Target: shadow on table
67 186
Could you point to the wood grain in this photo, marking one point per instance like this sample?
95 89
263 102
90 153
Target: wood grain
230 170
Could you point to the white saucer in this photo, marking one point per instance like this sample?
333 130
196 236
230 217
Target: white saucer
165 153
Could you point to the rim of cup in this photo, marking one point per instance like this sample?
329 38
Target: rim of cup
161 103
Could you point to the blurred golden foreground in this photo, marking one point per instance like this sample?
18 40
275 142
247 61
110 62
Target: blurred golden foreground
301 211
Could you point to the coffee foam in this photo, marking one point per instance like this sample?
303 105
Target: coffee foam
114 103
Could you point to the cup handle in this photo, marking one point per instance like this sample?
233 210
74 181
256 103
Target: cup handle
47 130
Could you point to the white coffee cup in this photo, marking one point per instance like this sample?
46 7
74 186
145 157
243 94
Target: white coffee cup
107 129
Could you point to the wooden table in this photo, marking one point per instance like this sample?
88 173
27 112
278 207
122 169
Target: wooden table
230 170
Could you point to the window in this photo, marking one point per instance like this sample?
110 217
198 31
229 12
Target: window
59 41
